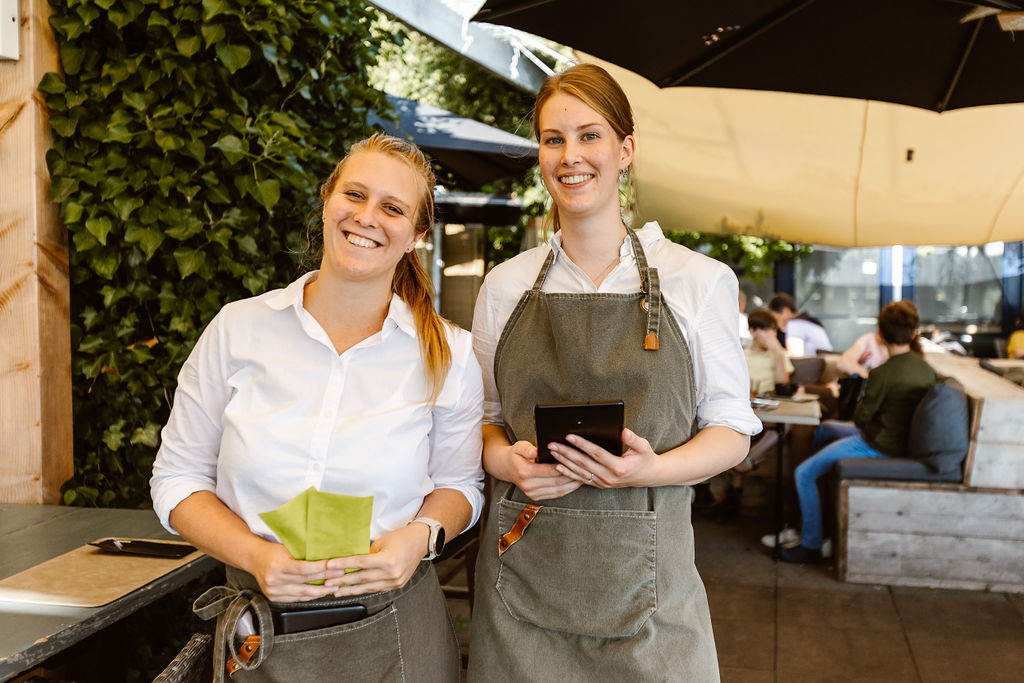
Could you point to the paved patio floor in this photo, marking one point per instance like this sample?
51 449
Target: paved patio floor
776 622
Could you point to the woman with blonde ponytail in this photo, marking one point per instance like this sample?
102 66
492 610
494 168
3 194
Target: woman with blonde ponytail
347 381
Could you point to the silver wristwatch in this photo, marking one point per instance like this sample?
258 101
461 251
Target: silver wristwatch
435 545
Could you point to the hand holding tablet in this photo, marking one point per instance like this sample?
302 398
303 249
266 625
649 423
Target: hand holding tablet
599 422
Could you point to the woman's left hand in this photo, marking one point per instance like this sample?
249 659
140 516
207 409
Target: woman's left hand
390 564
592 465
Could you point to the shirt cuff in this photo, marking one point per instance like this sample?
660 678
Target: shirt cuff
734 413
172 495
474 496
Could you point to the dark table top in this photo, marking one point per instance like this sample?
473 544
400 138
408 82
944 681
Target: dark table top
32 534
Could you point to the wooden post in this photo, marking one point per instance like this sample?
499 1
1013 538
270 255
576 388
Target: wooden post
35 340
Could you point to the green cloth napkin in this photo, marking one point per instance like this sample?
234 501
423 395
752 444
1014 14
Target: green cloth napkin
318 526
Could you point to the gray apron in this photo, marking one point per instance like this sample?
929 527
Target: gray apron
407 636
601 586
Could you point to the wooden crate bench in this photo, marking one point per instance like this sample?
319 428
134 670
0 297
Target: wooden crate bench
931 534
966 534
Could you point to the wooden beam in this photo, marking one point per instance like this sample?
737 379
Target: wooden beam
35 338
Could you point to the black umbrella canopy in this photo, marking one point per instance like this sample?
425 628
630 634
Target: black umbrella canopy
933 54
474 153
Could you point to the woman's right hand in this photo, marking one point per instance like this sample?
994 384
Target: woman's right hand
539 481
282 578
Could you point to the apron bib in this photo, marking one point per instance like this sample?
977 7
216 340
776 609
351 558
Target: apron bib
601 585
407 636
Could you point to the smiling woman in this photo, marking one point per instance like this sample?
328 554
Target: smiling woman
349 382
572 567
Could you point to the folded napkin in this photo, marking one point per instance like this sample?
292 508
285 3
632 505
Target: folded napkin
318 526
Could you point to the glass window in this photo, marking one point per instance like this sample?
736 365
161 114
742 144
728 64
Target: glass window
840 287
960 289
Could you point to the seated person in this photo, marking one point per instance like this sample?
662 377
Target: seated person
883 418
863 356
768 364
804 334
1015 344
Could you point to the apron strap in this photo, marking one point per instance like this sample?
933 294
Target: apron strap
651 287
228 604
543 274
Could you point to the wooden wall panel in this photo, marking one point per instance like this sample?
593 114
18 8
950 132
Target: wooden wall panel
35 345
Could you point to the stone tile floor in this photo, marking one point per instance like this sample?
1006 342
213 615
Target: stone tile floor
776 622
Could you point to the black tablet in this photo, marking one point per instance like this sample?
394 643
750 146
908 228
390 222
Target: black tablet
596 421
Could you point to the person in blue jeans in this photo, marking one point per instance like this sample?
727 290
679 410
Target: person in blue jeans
881 421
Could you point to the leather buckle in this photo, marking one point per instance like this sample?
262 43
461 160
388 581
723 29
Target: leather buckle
524 520
246 652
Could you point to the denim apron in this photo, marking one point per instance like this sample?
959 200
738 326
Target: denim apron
601 585
407 636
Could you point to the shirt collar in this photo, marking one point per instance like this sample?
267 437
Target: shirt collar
400 315
650 233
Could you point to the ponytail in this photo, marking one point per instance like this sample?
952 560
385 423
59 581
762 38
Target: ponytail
412 284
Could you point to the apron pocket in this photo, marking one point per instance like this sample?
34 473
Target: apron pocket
364 650
586 572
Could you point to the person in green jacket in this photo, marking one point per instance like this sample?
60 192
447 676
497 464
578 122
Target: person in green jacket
882 418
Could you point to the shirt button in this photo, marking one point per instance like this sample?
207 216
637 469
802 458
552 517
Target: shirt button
316 467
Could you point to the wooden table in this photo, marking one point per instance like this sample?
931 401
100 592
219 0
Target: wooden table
787 412
32 534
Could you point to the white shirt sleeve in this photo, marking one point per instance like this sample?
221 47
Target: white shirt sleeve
723 382
456 441
486 334
187 459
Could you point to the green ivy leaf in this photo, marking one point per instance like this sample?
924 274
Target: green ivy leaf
70 212
189 260
147 436
64 125
105 263
99 228
234 149
135 100
188 45
52 84
234 57
125 205
212 8
269 192
213 33
168 142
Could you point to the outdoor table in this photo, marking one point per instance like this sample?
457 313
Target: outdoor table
32 534
796 411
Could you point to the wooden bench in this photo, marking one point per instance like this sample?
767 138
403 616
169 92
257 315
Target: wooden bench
967 534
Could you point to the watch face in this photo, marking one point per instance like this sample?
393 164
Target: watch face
439 542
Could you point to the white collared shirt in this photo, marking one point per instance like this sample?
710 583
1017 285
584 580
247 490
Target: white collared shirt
265 408
700 292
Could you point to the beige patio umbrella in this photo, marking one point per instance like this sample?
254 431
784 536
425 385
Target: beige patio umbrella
826 170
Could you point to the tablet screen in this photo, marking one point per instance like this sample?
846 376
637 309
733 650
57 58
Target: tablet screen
597 421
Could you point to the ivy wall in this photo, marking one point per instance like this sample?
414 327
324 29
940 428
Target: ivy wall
190 140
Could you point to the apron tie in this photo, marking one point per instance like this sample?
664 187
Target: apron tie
228 604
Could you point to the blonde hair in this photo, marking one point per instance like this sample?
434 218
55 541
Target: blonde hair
411 282
599 91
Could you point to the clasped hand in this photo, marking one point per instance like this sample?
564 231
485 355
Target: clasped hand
582 463
390 564
588 463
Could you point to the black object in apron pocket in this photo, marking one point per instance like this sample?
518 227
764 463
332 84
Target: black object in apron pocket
365 650
585 572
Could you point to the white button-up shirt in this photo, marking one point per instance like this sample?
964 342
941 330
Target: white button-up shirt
700 292
265 408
